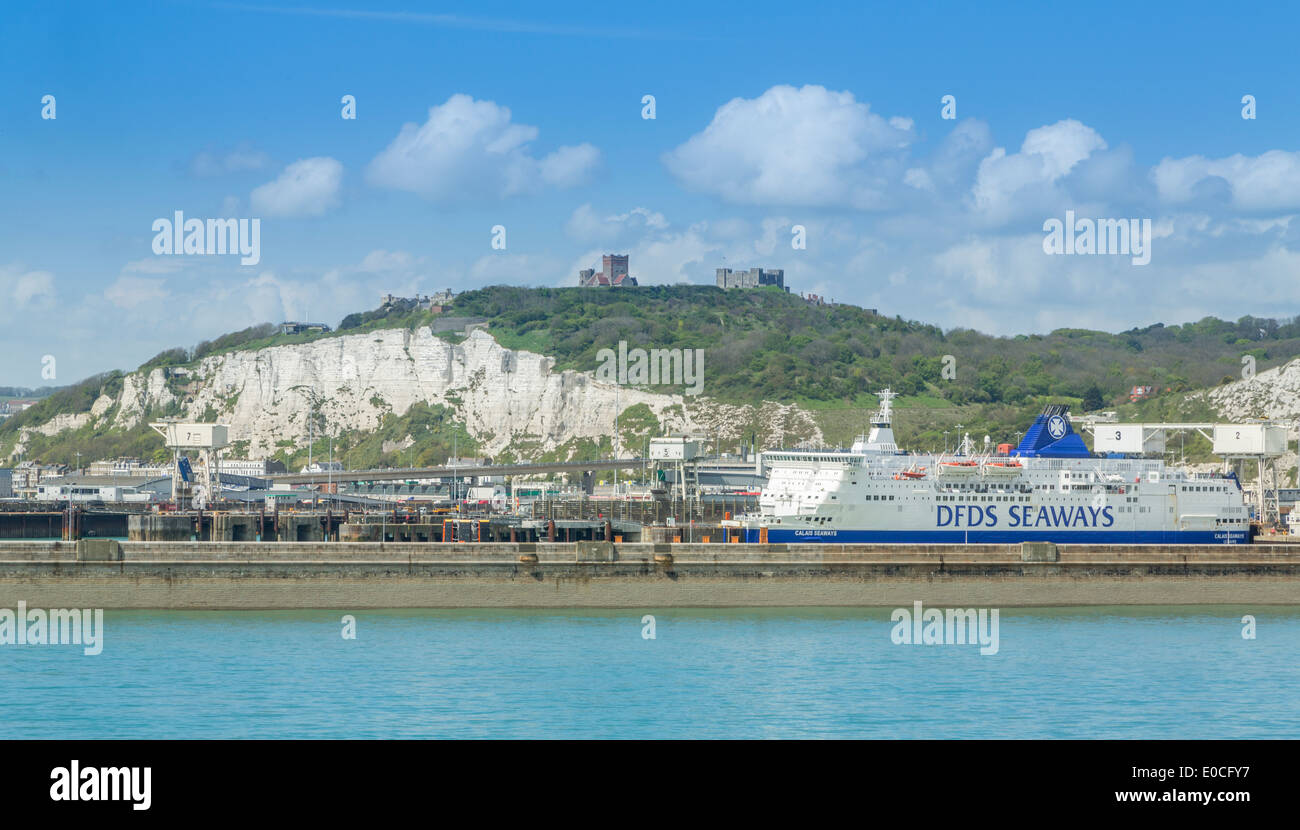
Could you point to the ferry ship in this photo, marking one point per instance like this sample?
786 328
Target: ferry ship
1049 488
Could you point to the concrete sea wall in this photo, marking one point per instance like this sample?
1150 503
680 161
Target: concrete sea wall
231 575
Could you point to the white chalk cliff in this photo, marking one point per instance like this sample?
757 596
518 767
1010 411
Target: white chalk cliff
1273 393
507 399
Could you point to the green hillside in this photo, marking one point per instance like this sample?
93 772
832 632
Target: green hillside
765 345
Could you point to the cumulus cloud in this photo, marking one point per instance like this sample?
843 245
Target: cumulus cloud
308 187
1047 154
805 146
953 165
919 178
20 288
585 225
569 166
472 150
1270 181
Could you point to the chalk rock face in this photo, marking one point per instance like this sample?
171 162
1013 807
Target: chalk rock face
506 398
1273 393
502 395
63 421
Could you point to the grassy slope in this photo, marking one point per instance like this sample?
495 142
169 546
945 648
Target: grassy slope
765 345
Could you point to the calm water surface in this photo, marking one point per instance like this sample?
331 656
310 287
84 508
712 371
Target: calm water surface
1059 673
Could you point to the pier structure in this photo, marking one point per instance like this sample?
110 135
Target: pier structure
105 573
208 440
1258 442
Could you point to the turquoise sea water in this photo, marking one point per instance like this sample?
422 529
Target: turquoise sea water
1059 673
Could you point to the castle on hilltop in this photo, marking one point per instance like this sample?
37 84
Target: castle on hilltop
752 278
613 273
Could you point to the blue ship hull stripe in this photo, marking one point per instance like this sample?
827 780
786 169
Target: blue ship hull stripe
976 537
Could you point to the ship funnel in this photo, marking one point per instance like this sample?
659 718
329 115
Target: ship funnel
1051 436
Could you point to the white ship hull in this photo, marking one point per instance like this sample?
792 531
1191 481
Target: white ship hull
1051 489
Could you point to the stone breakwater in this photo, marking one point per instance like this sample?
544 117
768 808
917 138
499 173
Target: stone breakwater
339 575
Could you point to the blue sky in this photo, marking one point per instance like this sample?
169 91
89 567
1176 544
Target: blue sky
768 115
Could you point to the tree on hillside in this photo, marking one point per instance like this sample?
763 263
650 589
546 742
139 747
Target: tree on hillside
1092 399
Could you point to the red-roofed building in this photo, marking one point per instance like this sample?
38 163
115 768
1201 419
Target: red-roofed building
1137 393
613 272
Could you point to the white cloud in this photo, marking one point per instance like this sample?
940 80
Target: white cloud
129 292
918 178
21 289
308 187
954 163
586 225
1269 181
806 146
471 150
32 285
569 166
1047 154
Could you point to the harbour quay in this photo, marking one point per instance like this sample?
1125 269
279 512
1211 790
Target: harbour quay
215 575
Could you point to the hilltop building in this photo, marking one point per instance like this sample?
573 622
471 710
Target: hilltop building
613 272
294 327
438 302
752 278
441 301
